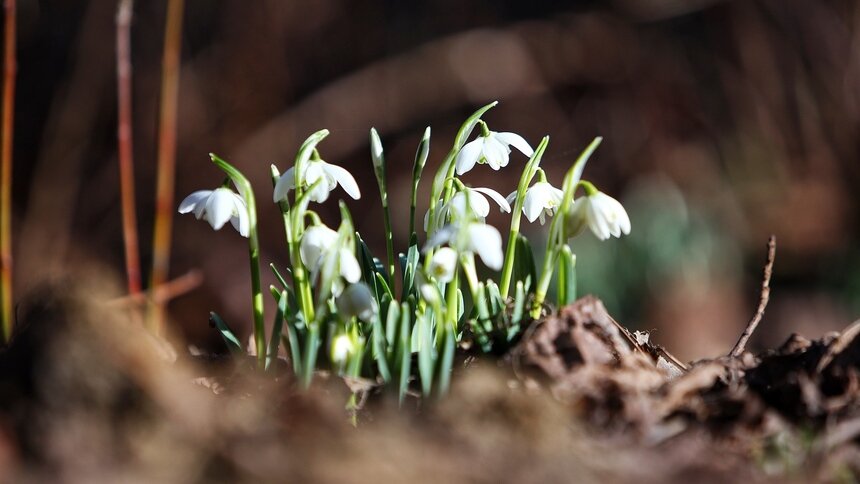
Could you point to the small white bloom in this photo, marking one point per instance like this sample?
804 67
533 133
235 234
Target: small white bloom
331 176
341 348
541 200
318 243
443 264
472 237
492 149
357 300
218 207
604 215
478 202
376 149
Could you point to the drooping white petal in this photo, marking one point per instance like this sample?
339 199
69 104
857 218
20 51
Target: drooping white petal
192 201
357 300
341 348
495 153
441 236
511 198
285 183
469 155
486 241
596 221
219 207
240 220
316 171
344 178
516 141
532 205
443 265
349 268
497 197
315 241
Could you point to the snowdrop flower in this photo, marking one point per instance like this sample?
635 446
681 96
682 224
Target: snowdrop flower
472 237
357 300
491 148
443 264
541 200
478 205
318 243
604 215
478 202
315 169
217 207
341 348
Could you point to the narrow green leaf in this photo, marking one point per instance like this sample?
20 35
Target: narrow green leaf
525 264
277 326
230 339
566 284
379 349
404 351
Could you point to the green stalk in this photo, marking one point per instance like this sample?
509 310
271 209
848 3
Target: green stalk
417 168
556 231
379 169
516 216
247 193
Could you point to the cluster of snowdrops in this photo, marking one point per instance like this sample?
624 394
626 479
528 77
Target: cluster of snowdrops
338 306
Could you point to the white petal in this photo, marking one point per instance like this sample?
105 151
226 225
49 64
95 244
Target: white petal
240 220
315 241
441 236
469 155
497 197
517 142
511 198
495 153
596 221
349 268
478 203
533 205
443 265
285 183
486 241
345 179
219 208
193 200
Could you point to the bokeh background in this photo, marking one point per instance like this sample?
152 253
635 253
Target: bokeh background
724 122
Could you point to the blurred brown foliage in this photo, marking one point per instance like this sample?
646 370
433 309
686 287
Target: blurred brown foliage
749 109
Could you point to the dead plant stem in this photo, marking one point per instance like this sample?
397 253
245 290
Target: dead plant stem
762 303
9 72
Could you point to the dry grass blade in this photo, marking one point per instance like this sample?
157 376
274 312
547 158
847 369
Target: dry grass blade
9 70
762 303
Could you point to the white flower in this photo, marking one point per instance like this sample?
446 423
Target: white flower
604 215
541 200
492 149
472 237
331 176
217 207
318 243
341 348
443 264
357 300
478 202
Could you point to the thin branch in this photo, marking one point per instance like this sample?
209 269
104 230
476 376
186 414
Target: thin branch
166 158
124 141
762 303
163 293
9 71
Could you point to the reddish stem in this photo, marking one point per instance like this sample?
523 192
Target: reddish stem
124 140
166 159
9 70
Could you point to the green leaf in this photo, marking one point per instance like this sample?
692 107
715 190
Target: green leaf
447 362
410 265
272 352
525 264
230 339
469 125
566 284
379 349
404 351
426 351
520 299
392 319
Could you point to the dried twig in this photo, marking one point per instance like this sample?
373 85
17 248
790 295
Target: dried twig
9 70
163 293
124 140
763 299
166 158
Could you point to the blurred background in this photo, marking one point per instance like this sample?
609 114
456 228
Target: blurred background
724 122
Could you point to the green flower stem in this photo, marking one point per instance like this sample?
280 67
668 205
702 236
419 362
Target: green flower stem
247 193
516 215
417 169
556 231
451 305
379 169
